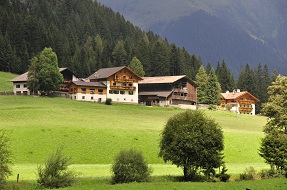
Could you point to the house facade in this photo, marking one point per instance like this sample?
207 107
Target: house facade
239 102
167 90
20 86
88 91
118 83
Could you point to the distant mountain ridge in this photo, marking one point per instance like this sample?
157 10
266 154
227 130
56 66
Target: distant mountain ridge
240 32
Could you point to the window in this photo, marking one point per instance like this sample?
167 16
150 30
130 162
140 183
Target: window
25 85
130 84
83 97
114 84
122 92
18 86
116 92
111 91
83 90
92 90
124 76
131 77
92 98
100 91
131 92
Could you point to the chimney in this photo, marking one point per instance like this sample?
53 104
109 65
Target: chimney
238 90
227 92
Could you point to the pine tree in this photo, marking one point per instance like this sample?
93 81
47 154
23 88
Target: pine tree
201 79
119 54
136 66
213 88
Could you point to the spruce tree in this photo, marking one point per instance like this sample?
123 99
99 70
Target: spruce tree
201 79
213 88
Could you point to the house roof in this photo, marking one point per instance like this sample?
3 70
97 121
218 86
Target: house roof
107 72
236 95
24 76
20 78
91 84
156 93
163 79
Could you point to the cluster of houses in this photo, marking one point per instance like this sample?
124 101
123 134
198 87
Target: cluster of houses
122 85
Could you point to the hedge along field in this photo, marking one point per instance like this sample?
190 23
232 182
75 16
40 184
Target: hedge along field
92 134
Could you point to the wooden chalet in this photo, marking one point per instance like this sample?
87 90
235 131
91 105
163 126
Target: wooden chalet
121 83
167 90
88 91
239 102
20 82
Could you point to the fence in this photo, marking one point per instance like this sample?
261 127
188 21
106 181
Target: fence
6 93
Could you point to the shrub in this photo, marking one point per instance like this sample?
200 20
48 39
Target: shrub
228 107
211 107
55 174
108 101
248 174
5 159
223 176
130 166
270 173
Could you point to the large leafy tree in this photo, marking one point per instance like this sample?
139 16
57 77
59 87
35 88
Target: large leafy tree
194 142
274 145
44 74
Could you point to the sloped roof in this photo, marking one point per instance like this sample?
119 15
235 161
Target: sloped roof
20 78
107 72
156 93
24 76
92 84
162 79
236 95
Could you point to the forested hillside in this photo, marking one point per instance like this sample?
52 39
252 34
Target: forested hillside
86 36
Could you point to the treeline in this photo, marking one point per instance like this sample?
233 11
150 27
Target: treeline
254 80
86 36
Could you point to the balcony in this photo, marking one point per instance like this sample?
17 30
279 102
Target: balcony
246 102
123 87
245 109
123 80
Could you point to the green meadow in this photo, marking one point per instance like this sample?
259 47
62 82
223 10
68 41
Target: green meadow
92 134
4 84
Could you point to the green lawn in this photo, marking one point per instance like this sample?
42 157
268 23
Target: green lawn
4 84
92 134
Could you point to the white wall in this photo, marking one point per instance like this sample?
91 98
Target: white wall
89 97
21 88
124 98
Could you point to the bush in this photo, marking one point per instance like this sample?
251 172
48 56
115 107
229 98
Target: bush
228 107
249 174
212 107
108 101
5 159
223 176
270 173
55 174
130 166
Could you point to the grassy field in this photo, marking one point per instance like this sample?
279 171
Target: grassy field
4 84
92 134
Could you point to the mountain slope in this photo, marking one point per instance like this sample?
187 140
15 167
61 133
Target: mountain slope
240 32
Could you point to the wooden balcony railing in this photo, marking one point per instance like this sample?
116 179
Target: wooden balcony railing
245 109
248 102
123 87
123 80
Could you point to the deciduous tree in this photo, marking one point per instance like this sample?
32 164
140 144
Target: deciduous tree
274 144
194 142
44 74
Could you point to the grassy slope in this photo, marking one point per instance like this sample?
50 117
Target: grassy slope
92 134
4 84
